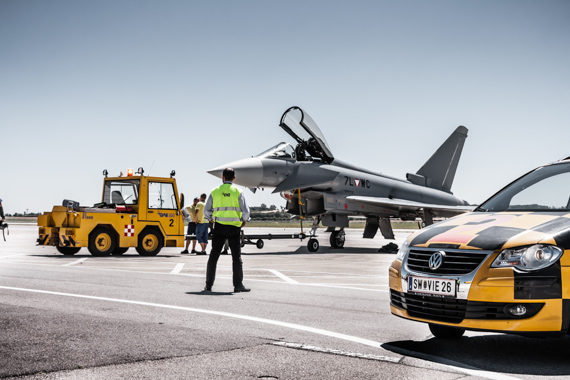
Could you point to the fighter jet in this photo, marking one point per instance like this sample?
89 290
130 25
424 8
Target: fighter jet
317 184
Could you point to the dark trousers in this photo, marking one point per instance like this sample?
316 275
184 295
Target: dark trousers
220 233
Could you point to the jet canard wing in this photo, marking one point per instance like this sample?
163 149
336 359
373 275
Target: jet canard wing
402 204
305 131
305 176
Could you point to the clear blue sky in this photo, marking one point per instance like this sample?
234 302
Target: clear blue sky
191 85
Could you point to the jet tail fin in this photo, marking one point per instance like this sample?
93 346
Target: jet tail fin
439 171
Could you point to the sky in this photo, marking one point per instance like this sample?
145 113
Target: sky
192 85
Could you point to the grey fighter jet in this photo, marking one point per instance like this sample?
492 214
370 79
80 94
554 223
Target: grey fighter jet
317 184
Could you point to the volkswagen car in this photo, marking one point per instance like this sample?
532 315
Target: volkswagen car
505 267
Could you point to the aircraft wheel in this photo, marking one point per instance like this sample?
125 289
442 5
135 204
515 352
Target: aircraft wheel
337 239
120 250
101 242
445 332
313 245
150 243
68 251
259 244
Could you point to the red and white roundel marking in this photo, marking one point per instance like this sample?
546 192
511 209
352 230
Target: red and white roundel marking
129 230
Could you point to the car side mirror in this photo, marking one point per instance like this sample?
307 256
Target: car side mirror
181 201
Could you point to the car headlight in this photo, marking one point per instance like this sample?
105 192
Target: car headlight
403 251
531 258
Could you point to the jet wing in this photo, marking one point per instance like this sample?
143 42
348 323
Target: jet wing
402 204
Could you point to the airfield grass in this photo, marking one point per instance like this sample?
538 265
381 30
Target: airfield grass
398 225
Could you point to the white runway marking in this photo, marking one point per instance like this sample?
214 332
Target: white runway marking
294 326
337 352
281 275
332 334
177 268
75 262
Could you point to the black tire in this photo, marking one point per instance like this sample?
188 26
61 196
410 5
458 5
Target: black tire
446 332
313 245
337 239
68 251
259 244
101 242
120 250
150 243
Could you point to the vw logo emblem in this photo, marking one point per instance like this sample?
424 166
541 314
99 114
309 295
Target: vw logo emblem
436 260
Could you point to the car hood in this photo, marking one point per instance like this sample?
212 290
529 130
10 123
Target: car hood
494 231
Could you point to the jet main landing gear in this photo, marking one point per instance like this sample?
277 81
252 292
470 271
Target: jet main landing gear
337 238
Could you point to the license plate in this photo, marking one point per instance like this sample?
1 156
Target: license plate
439 286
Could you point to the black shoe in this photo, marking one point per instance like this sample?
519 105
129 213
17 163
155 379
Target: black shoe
194 251
225 252
207 289
389 248
201 253
241 289
185 252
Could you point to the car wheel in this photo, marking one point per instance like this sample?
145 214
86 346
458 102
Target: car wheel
68 251
445 332
150 243
101 242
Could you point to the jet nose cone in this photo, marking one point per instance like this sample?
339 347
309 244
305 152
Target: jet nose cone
249 171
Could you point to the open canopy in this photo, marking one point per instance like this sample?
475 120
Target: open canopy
305 131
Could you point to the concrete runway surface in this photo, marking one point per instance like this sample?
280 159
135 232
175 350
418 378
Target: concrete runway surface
321 315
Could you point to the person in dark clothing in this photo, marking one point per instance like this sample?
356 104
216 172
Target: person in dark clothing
227 208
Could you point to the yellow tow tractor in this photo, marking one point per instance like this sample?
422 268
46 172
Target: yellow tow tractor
135 211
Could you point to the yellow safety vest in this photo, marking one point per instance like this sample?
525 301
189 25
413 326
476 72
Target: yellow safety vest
225 202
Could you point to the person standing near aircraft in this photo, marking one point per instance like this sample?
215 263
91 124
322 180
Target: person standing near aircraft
2 212
201 225
227 208
190 214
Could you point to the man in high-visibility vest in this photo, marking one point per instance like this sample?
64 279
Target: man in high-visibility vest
226 207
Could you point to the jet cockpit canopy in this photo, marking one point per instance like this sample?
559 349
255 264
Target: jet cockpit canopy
309 137
281 150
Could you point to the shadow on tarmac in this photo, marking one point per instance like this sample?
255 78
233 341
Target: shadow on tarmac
323 251
302 250
212 293
502 353
87 255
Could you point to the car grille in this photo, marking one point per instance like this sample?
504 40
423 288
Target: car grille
456 262
434 308
453 310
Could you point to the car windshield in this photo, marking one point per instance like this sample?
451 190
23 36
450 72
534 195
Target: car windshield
281 150
544 189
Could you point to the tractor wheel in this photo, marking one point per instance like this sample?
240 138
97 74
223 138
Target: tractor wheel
101 242
150 243
445 332
67 251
